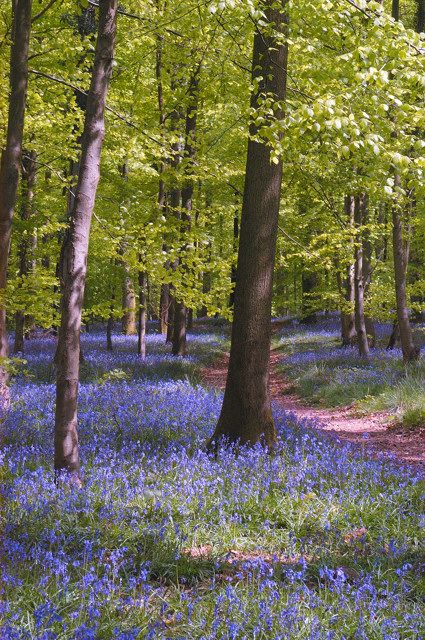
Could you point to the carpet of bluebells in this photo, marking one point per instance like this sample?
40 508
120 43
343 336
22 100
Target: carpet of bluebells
324 373
163 541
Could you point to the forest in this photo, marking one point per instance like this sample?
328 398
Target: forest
212 319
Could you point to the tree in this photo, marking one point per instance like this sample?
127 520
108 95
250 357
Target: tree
246 415
11 155
76 246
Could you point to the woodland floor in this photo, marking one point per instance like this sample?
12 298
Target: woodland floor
373 433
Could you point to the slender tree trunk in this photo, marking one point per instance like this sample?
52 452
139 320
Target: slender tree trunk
109 327
141 342
170 325
348 323
235 248
26 242
129 307
395 335
246 415
11 157
362 341
367 267
164 303
179 347
76 245
395 9
189 320
401 259
420 16
308 283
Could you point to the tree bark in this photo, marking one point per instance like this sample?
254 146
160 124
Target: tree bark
11 155
179 347
246 415
420 16
308 283
348 322
129 306
109 327
362 341
170 318
401 259
27 240
164 304
76 246
141 332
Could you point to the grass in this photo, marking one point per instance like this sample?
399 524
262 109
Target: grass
164 541
325 374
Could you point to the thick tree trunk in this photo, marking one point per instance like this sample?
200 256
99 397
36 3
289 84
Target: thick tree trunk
141 332
246 415
11 156
401 259
362 341
27 240
129 307
76 246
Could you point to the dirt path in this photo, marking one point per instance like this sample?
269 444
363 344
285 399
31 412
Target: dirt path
371 431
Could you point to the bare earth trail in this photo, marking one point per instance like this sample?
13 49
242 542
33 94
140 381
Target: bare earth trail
371 432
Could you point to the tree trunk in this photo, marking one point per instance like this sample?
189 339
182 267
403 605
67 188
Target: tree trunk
401 259
11 155
395 335
348 323
76 246
189 320
246 415
129 307
179 347
235 247
27 240
420 16
170 325
308 283
164 303
109 327
141 341
395 9
362 341
367 267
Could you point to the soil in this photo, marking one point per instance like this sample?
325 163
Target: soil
374 433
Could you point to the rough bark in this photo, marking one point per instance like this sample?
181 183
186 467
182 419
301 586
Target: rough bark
76 246
11 155
362 341
27 241
246 415
179 343
141 329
